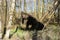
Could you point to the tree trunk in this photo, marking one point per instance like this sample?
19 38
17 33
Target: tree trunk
42 7
10 18
20 9
25 5
39 13
3 15
35 8
0 19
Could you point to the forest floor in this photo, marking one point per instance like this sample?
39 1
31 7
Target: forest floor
52 32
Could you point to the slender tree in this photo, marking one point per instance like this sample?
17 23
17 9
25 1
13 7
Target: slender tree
39 13
3 16
25 5
35 8
20 8
42 7
10 18
0 19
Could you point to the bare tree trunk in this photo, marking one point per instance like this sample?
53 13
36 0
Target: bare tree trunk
39 13
25 5
3 24
35 8
20 9
0 29
42 7
11 9
0 20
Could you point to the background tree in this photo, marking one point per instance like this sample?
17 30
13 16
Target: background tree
35 8
39 14
0 19
25 6
3 16
12 5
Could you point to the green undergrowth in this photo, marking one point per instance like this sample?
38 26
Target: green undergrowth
53 33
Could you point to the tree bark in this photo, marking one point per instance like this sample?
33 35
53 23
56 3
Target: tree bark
35 8
11 9
0 19
25 5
